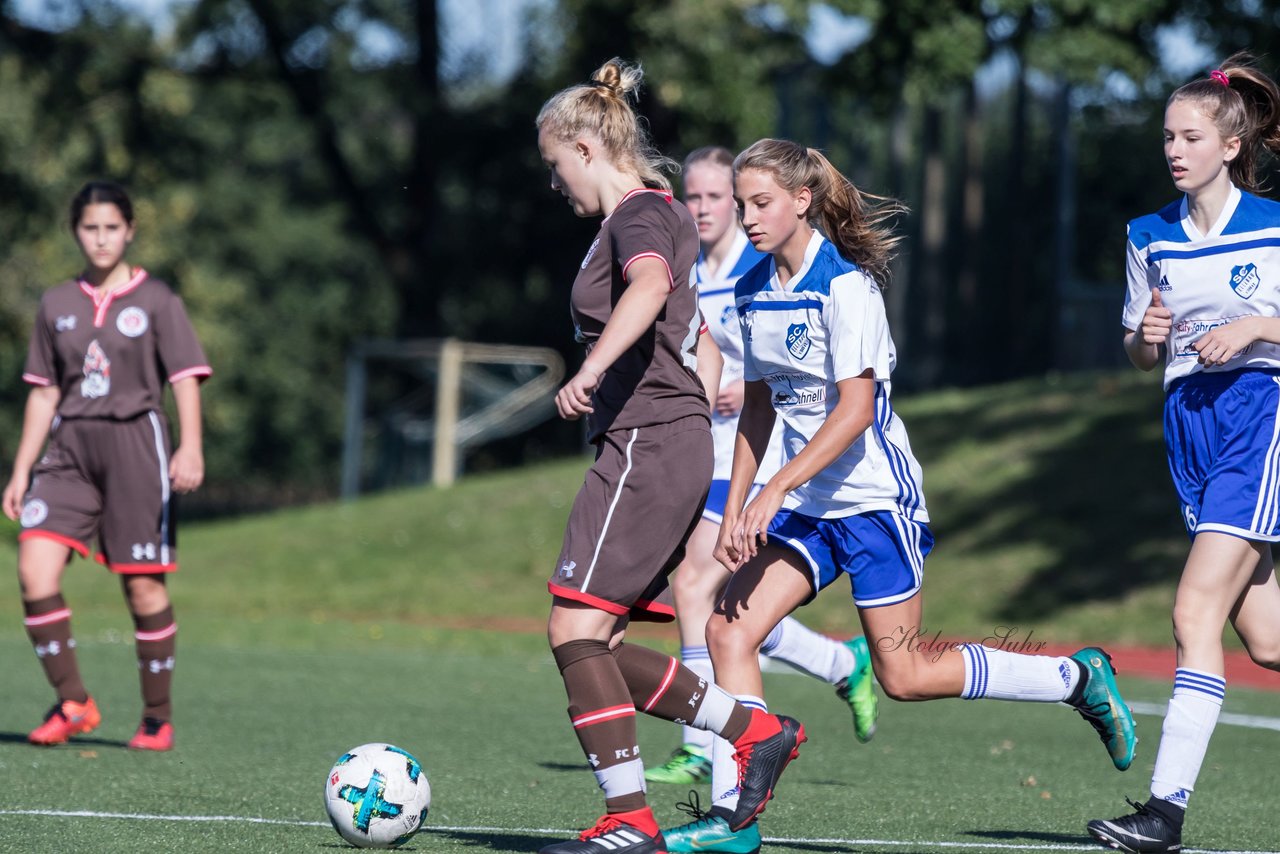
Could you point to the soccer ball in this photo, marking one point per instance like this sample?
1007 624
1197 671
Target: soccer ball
377 796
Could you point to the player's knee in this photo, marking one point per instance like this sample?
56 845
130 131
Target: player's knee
728 640
901 683
1266 654
1190 628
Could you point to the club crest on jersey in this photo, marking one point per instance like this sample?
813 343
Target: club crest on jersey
97 372
34 512
798 341
132 321
729 317
1245 280
595 244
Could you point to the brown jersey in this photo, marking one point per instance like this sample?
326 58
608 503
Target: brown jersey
110 355
653 382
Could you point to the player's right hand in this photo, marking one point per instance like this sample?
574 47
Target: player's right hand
574 400
726 551
13 495
1157 321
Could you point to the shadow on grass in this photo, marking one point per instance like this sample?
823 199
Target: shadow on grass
1084 478
562 766
80 741
1023 835
497 840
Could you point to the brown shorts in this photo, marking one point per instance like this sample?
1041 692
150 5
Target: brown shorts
110 479
638 505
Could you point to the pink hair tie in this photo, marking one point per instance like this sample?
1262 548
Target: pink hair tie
1220 77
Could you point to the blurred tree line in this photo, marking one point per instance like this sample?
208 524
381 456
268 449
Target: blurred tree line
310 173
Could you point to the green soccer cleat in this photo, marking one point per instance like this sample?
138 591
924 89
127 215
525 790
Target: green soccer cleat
858 690
709 831
1102 706
687 765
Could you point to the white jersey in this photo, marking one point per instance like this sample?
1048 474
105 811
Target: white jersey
1207 280
715 301
826 325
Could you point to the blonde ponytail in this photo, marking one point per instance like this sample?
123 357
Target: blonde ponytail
603 108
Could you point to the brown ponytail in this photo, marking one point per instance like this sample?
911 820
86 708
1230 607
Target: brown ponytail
603 109
858 223
1242 102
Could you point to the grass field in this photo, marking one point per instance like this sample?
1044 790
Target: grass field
416 618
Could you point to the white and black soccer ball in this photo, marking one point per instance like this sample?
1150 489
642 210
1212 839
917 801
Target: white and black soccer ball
377 795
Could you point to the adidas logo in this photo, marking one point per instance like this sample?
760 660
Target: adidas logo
621 838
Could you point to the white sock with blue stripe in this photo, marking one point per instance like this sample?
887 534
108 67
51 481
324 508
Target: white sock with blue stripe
996 674
794 643
1188 724
697 659
724 770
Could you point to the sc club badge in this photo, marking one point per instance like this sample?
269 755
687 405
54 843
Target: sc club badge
798 341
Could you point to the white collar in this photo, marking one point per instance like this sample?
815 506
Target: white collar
706 274
810 252
1228 210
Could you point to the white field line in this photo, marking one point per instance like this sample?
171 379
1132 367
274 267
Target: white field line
1228 718
913 845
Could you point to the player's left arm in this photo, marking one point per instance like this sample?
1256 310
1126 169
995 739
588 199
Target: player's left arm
186 466
648 286
848 420
1223 343
710 364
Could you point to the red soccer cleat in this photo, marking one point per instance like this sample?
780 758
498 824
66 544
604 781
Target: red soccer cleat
762 752
65 719
152 734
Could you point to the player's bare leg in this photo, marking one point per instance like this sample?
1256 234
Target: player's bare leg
696 585
1225 577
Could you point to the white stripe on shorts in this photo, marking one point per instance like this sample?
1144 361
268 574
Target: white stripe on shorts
164 486
1264 513
635 434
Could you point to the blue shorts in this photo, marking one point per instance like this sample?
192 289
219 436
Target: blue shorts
1222 435
713 511
883 552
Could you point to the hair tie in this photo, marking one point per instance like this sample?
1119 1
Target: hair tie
1220 77
601 84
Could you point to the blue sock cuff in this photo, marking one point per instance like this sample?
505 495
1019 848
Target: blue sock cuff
976 671
772 641
694 653
1199 683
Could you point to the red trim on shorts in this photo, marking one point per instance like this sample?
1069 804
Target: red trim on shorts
198 371
587 599
74 545
634 258
46 619
599 716
655 611
667 679
136 568
36 379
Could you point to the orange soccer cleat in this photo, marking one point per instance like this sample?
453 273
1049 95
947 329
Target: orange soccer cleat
65 719
152 734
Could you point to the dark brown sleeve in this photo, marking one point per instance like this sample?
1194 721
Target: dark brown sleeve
176 343
644 228
41 368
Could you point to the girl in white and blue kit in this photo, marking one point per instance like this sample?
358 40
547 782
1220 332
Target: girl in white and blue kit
849 498
1203 299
